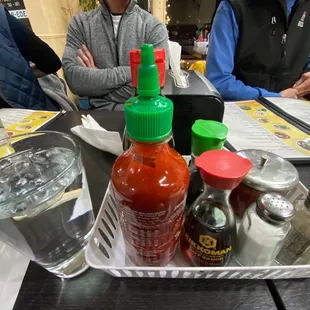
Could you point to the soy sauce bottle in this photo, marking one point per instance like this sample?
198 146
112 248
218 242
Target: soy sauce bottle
209 231
206 136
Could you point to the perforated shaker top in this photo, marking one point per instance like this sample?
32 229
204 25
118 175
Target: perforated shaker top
275 208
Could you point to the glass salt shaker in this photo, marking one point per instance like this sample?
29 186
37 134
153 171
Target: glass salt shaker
296 248
209 231
263 229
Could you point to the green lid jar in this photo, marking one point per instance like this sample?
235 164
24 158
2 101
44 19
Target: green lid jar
207 136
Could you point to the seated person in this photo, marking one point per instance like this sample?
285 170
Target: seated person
19 86
96 59
260 48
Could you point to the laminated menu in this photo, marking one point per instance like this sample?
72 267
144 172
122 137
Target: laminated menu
254 126
297 109
20 121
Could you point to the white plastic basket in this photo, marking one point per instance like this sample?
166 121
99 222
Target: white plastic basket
106 251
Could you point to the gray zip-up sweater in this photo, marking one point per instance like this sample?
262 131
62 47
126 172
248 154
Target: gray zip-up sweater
109 86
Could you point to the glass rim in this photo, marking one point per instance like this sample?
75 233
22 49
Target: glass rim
77 155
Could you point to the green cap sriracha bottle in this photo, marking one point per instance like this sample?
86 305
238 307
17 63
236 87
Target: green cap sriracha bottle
150 179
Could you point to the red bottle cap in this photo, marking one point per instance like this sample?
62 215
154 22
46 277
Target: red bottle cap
160 58
222 170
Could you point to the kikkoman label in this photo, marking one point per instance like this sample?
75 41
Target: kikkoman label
207 241
208 250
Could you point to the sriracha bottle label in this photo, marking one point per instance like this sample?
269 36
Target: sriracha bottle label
150 237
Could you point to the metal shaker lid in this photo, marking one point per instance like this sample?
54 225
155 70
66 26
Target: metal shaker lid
270 172
274 208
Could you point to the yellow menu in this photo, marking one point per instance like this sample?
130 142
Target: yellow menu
252 126
18 122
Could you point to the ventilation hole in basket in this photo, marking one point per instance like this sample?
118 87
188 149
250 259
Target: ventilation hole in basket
163 273
103 250
127 273
107 228
113 212
198 275
186 274
110 219
112 199
222 274
105 238
246 275
234 275
140 274
115 273
174 273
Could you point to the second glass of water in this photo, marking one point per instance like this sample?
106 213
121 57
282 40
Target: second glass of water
45 207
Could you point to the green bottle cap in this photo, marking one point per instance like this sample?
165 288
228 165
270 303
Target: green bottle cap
148 116
148 79
208 135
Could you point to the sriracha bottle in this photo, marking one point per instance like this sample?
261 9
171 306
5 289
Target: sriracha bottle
150 180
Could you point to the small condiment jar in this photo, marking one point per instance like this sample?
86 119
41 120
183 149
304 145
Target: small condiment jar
270 173
263 230
209 231
296 247
206 136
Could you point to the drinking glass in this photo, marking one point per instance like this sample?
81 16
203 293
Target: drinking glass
45 207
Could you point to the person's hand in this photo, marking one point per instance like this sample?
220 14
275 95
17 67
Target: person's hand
38 73
303 85
85 58
289 93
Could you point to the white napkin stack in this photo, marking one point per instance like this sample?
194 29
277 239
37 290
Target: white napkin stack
175 62
13 268
92 133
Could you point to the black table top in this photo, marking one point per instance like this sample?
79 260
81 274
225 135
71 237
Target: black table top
95 289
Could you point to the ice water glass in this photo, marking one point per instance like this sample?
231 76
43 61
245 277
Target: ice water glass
45 207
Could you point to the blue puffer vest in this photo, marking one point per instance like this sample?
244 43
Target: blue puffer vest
18 84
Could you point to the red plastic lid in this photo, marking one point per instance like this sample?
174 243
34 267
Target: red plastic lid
160 58
222 170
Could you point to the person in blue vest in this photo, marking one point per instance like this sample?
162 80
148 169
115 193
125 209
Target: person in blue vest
23 58
260 48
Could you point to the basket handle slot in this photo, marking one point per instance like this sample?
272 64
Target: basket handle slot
112 209
105 238
103 250
110 219
107 227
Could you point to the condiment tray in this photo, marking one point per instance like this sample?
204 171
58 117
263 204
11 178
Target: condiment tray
106 251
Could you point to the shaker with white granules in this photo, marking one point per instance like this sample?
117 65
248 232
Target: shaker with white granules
296 247
263 230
